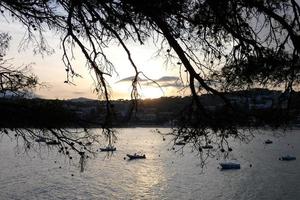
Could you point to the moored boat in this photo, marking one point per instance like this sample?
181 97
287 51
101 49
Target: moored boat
207 147
287 158
268 141
53 142
180 143
230 165
108 148
136 156
41 140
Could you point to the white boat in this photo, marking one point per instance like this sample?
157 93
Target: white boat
287 158
136 156
230 165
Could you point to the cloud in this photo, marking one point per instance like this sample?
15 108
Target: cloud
130 79
169 81
164 81
79 93
167 78
177 85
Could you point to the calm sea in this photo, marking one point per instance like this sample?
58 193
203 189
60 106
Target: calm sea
163 175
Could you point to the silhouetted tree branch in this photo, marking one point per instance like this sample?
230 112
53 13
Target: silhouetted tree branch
17 80
224 46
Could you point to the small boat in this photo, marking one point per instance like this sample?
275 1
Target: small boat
136 156
287 158
230 165
108 148
268 141
53 142
88 144
207 147
180 143
40 139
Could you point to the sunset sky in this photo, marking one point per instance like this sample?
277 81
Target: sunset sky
50 69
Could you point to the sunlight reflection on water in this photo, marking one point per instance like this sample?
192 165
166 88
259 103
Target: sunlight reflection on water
163 175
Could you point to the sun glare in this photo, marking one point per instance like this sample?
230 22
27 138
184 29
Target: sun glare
151 92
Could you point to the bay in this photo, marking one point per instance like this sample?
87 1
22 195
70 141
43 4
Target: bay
164 174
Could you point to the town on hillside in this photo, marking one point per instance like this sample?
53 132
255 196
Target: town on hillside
20 112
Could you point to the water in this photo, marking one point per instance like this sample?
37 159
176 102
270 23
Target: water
163 175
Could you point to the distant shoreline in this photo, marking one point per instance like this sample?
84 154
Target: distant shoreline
295 127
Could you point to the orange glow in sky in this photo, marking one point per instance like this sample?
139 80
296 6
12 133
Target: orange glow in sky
51 70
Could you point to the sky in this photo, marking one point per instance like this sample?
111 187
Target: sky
51 71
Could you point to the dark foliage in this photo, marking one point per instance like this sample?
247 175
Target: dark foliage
222 46
35 114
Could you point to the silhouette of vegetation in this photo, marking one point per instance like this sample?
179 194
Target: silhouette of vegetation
34 113
38 121
261 107
16 80
222 46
